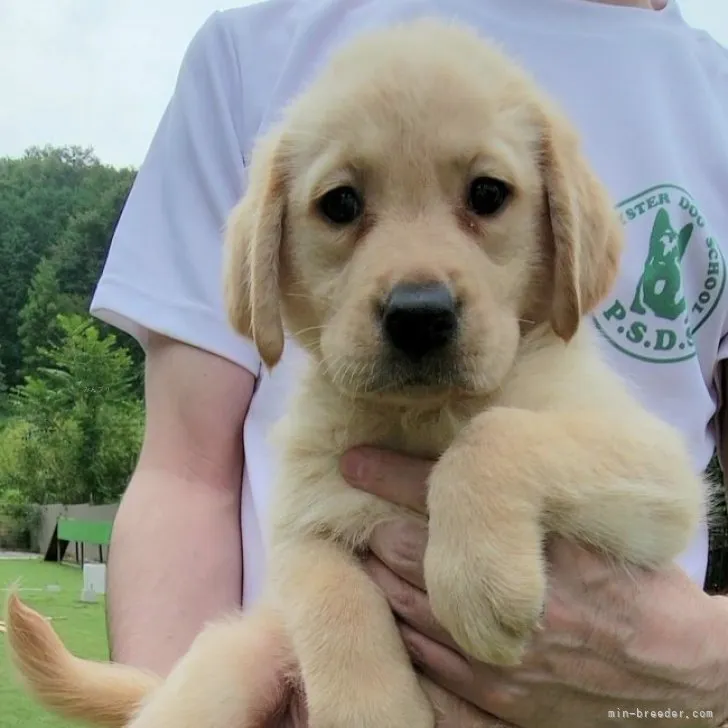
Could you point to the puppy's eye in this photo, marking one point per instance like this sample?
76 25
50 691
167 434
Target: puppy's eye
487 195
342 205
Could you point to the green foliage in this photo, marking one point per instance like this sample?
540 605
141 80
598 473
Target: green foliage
81 421
59 204
71 413
3 389
79 251
18 517
19 520
38 324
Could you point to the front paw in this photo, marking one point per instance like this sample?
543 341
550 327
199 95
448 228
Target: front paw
490 608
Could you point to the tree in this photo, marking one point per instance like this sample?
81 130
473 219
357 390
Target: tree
56 203
84 423
80 250
38 324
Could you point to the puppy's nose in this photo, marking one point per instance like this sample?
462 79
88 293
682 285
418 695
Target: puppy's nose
419 318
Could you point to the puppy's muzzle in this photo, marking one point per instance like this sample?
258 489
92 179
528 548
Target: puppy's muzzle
419 319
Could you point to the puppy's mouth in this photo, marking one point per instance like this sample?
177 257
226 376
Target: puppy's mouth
419 356
391 376
429 377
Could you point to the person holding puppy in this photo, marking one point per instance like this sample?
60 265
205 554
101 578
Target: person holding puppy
615 647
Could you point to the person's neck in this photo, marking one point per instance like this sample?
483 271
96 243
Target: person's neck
646 4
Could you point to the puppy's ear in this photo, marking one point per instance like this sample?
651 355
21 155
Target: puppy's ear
587 231
251 264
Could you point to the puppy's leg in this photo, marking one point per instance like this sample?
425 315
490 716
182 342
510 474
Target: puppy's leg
231 677
623 485
354 667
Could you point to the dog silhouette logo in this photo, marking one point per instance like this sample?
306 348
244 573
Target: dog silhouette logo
656 318
660 287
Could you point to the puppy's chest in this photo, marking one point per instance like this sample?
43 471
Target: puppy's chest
419 434
313 498
424 435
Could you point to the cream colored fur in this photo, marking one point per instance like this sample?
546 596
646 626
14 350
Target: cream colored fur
532 433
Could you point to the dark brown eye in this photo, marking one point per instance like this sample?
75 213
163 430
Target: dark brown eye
341 206
487 195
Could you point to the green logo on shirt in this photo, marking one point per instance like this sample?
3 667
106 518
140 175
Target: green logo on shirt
681 281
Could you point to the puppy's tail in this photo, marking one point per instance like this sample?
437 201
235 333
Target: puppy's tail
99 693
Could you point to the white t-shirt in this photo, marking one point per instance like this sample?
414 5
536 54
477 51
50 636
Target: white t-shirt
649 95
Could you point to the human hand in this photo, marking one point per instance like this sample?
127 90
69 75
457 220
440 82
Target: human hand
452 711
288 708
612 640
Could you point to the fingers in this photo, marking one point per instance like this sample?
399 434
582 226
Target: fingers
400 545
453 712
488 689
389 475
442 663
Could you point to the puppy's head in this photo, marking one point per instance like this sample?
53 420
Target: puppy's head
419 208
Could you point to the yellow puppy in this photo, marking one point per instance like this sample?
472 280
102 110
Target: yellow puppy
424 225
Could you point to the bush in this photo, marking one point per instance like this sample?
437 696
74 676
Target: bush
78 421
19 521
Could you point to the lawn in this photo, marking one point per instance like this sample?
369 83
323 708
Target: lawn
81 626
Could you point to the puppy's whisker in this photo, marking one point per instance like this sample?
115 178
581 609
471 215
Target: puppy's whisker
334 369
305 296
364 377
306 330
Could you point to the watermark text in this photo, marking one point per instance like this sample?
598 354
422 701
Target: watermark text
655 714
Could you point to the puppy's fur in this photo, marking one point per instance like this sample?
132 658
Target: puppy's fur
532 434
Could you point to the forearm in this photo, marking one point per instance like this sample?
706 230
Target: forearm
175 563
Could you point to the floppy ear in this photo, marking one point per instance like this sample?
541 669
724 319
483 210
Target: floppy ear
251 260
587 231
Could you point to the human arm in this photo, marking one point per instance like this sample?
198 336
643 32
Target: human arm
175 552
176 549
612 641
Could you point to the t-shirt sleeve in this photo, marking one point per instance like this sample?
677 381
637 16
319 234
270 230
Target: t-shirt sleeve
163 270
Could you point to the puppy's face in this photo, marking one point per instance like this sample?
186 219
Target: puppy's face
414 237
418 209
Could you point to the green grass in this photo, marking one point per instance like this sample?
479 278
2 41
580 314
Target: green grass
81 626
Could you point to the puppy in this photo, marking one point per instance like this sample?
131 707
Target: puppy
423 224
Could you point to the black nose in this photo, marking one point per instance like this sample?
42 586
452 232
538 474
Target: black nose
419 319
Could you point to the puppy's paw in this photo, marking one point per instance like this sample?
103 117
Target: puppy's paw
490 609
484 562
